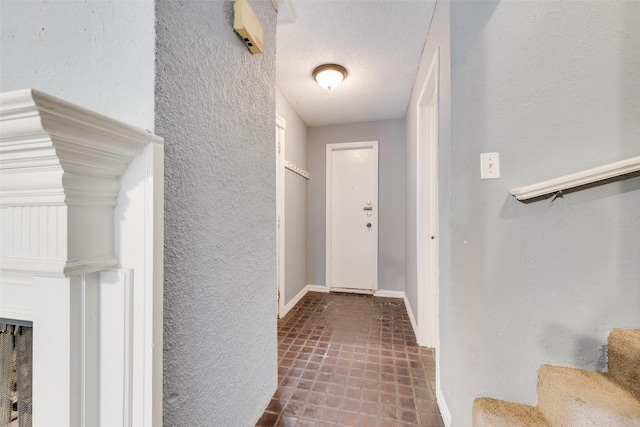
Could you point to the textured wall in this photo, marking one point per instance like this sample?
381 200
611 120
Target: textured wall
295 232
554 88
391 190
96 54
215 108
439 38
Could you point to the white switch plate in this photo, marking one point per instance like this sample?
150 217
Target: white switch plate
489 165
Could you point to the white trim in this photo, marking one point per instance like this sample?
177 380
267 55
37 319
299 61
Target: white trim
64 171
374 219
444 409
286 12
59 268
427 208
153 292
352 290
412 318
281 126
288 306
116 346
318 288
44 138
578 179
383 293
301 294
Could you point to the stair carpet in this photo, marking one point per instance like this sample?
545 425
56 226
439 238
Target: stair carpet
569 397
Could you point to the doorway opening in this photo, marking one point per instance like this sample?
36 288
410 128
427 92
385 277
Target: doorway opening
427 212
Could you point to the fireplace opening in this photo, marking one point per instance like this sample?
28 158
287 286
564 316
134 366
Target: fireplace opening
16 372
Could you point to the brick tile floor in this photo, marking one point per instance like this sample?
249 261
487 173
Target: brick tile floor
351 360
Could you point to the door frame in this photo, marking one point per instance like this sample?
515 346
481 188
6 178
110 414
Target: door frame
427 210
329 222
281 126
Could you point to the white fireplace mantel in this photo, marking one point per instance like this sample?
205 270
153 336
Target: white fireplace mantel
86 270
60 166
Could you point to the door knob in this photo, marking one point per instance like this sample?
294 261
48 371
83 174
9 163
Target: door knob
368 225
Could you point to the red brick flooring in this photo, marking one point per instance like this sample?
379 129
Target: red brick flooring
351 360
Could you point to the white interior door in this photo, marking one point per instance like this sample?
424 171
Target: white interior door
352 216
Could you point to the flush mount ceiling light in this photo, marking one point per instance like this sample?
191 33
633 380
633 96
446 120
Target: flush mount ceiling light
329 76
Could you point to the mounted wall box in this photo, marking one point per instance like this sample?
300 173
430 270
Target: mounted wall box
247 24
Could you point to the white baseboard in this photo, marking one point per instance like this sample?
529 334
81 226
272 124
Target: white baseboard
412 318
288 306
301 294
444 409
388 294
318 288
351 290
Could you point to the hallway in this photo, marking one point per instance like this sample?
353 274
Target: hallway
351 360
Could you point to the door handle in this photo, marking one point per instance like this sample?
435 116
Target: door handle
367 208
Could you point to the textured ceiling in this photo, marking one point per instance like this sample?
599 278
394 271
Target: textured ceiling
378 42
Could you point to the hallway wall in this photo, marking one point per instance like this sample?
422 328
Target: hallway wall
295 200
391 191
215 107
554 88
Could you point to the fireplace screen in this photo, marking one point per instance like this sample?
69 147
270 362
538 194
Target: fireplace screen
16 349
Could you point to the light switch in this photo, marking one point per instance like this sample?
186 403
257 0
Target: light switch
489 165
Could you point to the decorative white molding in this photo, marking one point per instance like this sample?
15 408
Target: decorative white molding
61 172
297 169
71 155
589 176
60 166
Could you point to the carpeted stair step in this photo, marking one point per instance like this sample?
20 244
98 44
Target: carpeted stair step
489 412
624 358
574 397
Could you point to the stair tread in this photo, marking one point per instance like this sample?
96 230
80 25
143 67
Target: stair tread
500 413
569 396
624 358
629 338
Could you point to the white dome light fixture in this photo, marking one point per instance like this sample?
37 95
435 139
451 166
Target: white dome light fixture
329 76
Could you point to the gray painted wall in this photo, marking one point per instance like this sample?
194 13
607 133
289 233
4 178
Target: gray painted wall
295 200
391 193
554 88
215 107
96 54
438 38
